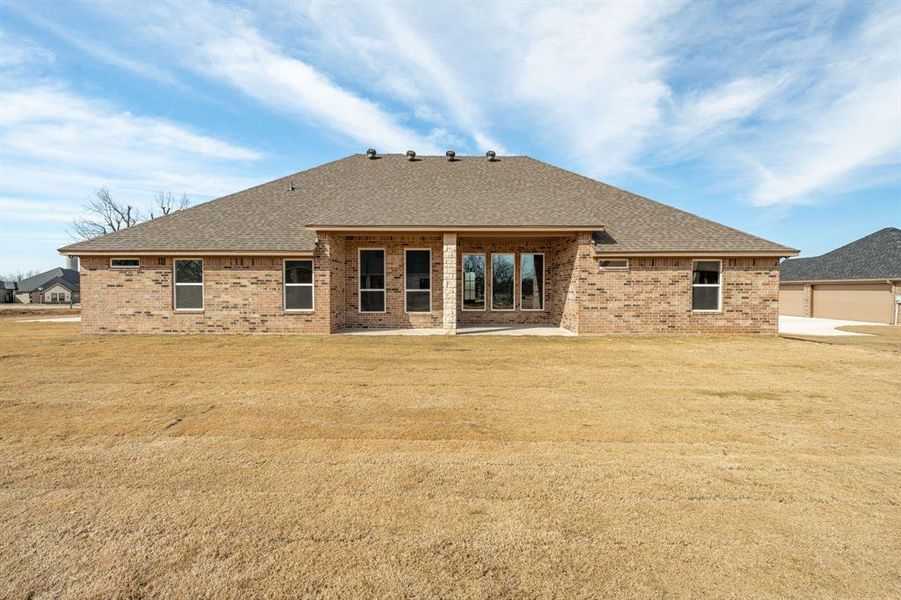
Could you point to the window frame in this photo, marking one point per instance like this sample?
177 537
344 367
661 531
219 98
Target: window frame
463 282
124 268
202 285
311 285
625 268
543 282
384 290
719 295
513 254
417 312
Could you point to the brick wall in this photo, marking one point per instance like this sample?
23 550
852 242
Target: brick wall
654 297
241 295
245 294
394 315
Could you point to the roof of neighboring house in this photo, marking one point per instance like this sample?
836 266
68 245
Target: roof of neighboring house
69 285
30 284
7 285
429 192
876 256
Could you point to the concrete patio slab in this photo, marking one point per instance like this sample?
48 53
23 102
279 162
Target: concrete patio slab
515 330
52 320
480 330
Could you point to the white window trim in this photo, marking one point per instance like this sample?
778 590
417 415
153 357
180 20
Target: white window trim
112 266
201 284
286 285
626 268
543 282
360 290
719 297
463 283
418 312
493 254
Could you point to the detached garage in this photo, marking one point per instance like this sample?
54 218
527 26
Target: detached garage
857 282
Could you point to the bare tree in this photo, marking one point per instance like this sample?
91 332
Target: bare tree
106 215
167 202
18 276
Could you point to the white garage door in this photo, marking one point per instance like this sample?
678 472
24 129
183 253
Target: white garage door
853 301
791 300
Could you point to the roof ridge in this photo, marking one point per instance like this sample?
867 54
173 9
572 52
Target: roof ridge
858 241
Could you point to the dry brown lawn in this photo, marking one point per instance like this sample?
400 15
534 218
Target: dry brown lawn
880 337
469 467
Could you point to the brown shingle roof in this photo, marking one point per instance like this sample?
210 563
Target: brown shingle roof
391 191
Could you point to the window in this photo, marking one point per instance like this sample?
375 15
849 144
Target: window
188 284
299 285
614 264
503 275
372 281
531 282
124 263
473 282
706 285
418 281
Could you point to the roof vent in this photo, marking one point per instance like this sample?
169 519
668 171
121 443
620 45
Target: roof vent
450 154
291 186
371 153
411 155
491 154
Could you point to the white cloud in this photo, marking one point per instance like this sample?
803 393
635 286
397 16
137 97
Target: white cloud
702 113
58 146
847 123
97 49
592 76
405 55
223 44
17 51
30 211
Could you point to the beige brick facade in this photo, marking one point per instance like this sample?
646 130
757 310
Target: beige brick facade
245 294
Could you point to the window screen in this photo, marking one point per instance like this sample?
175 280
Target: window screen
298 285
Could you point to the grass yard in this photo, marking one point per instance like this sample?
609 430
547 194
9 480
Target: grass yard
430 466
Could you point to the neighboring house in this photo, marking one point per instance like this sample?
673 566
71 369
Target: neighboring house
7 291
56 291
387 241
57 285
860 281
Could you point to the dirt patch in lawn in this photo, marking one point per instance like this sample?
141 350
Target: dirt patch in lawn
374 466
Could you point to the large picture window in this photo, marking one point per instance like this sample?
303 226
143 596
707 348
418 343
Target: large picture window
188 284
473 282
372 281
531 282
299 285
418 281
706 285
503 281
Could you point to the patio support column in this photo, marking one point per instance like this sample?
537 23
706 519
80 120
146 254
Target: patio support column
449 284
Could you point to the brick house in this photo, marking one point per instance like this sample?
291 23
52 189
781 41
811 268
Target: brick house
394 241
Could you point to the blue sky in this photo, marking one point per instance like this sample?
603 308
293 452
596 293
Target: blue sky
781 119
